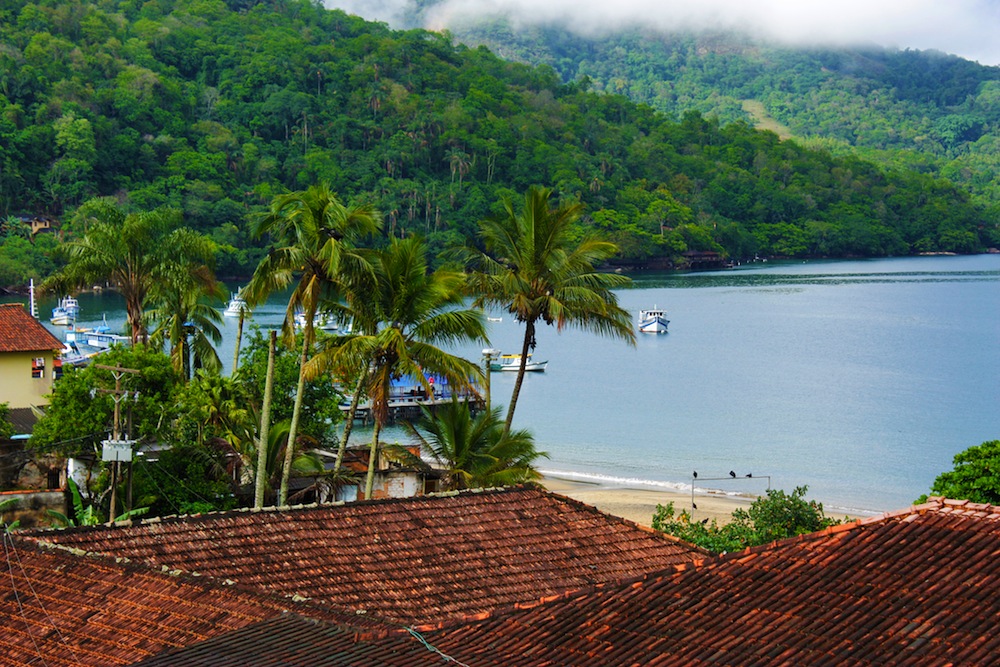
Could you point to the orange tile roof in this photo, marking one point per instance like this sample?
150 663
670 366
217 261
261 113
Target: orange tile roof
20 332
414 560
920 587
61 608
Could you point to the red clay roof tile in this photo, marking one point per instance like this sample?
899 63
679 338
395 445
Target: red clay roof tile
60 608
913 587
20 332
411 560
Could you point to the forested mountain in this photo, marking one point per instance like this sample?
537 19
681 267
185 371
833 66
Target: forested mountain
214 107
927 111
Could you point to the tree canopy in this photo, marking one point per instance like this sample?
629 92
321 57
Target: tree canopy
164 105
975 477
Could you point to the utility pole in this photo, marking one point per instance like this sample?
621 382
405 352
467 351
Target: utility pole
116 449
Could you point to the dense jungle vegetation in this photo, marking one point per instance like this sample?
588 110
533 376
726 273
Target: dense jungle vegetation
214 107
920 110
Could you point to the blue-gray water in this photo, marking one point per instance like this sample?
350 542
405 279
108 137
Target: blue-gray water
860 379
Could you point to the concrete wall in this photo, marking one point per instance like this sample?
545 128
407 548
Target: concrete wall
17 386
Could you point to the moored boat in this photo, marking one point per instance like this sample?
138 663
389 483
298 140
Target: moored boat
65 313
653 321
322 321
512 362
237 304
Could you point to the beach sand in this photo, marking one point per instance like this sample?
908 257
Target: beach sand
639 504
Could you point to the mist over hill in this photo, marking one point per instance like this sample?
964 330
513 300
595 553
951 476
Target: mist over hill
213 108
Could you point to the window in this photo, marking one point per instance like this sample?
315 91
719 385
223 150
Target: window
38 367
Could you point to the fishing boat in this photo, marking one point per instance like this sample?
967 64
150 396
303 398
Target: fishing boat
512 362
237 304
65 313
653 321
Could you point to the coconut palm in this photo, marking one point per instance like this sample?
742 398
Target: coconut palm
474 451
536 266
133 251
184 320
400 318
314 232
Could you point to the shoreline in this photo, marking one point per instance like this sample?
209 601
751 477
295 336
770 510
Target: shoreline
638 504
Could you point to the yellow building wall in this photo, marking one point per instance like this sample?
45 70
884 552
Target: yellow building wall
17 386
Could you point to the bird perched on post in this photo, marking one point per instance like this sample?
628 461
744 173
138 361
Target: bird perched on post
695 474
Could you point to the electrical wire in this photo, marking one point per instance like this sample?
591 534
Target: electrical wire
430 647
38 599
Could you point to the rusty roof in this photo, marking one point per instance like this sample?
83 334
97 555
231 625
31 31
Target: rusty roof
20 332
412 560
919 587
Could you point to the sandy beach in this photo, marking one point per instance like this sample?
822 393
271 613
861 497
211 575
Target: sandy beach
639 504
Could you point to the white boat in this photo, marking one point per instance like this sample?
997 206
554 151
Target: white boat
653 321
98 338
322 321
494 319
237 304
512 362
65 313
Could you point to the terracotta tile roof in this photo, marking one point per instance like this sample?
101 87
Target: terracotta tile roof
299 641
20 332
413 560
61 608
919 587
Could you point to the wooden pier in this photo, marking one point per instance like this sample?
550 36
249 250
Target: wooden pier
409 409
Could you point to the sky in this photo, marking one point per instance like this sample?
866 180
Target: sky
967 28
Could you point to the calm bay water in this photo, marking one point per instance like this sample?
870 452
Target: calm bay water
860 379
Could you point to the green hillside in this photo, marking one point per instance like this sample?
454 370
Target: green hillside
922 110
214 107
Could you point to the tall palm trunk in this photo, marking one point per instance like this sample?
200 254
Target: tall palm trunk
529 335
260 482
239 339
372 462
286 469
349 425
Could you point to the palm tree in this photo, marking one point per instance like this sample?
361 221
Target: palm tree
474 451
406 313
314 232
537 268
133 251
184 320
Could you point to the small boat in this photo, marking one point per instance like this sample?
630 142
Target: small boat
98 338
494 319
653 321
65 313
322 321
512 362
70 355
237 304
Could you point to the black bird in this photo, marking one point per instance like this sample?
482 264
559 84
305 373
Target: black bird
695 474
732 474
749 474
693 506
704 521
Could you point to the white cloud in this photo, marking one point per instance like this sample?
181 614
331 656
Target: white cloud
968 28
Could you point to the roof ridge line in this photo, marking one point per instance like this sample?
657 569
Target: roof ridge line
172 518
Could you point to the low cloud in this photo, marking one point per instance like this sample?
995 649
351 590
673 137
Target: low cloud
967 28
